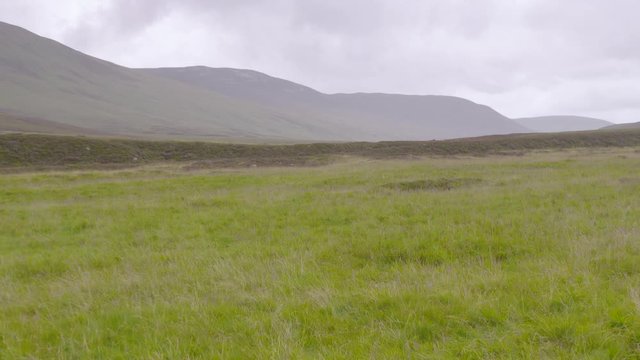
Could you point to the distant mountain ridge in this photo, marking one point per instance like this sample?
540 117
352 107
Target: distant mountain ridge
635 125
244 83
418 117
53 88
559 123
42 79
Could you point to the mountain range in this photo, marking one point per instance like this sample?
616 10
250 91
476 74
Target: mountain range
46 86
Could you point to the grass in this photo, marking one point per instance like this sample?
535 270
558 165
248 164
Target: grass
441 184
539 259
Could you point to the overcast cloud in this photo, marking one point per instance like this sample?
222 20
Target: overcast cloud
522 57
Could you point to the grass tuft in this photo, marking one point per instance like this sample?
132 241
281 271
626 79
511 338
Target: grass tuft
441 184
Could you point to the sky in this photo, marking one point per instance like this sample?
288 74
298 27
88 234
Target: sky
521 57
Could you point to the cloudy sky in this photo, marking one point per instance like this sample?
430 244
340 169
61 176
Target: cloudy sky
522 57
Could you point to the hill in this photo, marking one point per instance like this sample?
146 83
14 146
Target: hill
562 123
623 126
11 123
398 117
45 80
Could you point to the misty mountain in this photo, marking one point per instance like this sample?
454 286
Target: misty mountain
11 123
46 86
243 84
635 125
415 117
44 80
562 123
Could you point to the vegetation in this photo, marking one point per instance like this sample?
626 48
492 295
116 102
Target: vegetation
538 259
432 184
28 150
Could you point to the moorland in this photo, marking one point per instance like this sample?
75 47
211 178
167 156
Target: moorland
481 248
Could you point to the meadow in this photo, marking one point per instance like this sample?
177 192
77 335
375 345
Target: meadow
531 256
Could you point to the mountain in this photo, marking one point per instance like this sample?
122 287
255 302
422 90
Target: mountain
407 117
239 83
42 79
562 123
635 125
48 87
11 123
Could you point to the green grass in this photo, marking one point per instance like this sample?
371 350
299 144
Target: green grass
538 259
441 184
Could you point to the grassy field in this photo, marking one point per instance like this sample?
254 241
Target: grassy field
532 256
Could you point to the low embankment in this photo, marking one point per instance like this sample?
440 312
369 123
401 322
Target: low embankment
29 150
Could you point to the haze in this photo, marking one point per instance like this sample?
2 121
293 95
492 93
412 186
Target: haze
524 58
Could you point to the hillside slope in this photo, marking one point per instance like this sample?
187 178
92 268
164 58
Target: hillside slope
11 123
406 117
635 125
562 123
45 80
